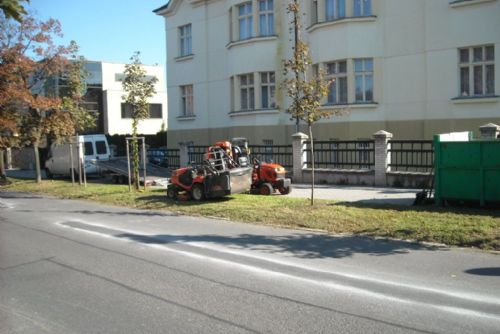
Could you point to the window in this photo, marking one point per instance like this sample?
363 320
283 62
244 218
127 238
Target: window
100 147
266 18
362 8
336 72
477 71
155 110
245 21
267 85
127 110
335 9
88 148
247 92
363 78
187 101
185 41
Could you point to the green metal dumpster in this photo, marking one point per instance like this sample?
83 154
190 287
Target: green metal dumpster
466 169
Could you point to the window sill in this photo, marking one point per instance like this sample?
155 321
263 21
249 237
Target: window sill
252 40
344 20
253 112
476 99
184 58
367 105
462 3
186 118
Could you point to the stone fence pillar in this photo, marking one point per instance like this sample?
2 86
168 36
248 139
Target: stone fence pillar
489 131
183 154
299 155
382 156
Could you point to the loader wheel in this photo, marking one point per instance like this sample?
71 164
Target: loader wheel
285 190
172 193
266 189
197 192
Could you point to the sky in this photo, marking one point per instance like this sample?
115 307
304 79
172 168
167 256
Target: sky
109 30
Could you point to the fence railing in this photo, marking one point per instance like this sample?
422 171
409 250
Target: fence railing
173 157
411 155
281 154
196 153
354 154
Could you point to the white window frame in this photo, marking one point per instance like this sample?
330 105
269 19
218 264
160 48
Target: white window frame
335 76
476 87
246 85
365 8
266 17
333 9
268 88
245 18
364 74
185 40
187 102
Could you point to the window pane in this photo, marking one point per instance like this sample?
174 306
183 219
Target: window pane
155 110
358 65
243 80
252 98
478 54
357 8
100 147
263 77
244 99
331 68
329 10
88 148
367 7
464 56
464 81
243 29
490 79
272 98
359 88
250 79
342 90
343 67
271 77
369 88
478 80
490 53
265 98
368 65
270 24
332 93
262 5
341 8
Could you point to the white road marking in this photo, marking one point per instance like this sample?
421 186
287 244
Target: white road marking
327 284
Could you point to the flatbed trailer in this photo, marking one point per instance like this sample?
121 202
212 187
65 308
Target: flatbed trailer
117 169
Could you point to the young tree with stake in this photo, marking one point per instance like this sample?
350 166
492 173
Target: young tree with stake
139 89
306 93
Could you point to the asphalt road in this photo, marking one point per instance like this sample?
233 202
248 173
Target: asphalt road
77 267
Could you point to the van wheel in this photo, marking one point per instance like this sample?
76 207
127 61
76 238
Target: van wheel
197 192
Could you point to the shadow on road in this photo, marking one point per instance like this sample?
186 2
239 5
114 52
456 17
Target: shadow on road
494 271
308 246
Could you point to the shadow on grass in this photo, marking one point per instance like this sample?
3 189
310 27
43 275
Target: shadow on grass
468 209
154 199
307 246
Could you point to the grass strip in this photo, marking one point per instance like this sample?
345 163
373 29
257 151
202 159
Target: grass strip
464 227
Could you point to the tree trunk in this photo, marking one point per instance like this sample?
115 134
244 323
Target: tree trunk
3 175
135 154
312 163
37 163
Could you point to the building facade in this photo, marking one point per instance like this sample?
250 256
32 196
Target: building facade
104 99
412 67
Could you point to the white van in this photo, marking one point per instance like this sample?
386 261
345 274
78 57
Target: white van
93 147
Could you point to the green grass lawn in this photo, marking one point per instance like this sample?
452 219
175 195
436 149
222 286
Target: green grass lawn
452 226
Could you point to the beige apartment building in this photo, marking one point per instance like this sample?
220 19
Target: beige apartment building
411 67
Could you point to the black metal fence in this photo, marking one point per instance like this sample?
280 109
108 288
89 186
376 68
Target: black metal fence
353 154
411 155
280 154
196 153
173 157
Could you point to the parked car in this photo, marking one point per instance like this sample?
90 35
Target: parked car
157 156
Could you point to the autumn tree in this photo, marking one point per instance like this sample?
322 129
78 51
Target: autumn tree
29 61
139 89
305 90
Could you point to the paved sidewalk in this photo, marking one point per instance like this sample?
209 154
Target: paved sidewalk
375 195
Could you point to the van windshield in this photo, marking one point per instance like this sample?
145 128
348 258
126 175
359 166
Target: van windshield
88 149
